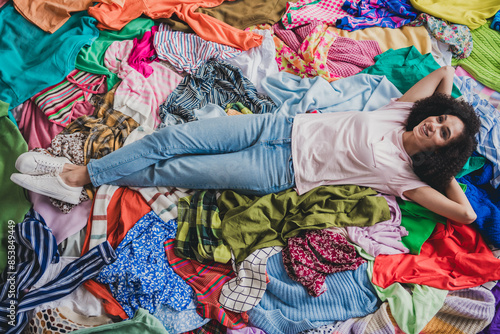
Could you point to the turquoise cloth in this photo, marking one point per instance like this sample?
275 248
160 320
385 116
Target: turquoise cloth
91 59
287 308
31 59
405 67
360 92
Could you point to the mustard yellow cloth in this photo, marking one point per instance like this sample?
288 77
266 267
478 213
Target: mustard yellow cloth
472 13
389 38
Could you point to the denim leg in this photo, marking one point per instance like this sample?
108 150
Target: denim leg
250 153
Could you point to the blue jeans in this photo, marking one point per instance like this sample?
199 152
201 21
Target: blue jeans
250 154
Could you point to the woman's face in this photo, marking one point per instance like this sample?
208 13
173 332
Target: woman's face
437 131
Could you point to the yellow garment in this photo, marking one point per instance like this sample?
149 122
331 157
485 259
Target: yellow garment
389 38
472 13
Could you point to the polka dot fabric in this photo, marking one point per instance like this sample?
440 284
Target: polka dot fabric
304 11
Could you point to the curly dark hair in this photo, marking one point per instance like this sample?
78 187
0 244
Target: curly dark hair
437 167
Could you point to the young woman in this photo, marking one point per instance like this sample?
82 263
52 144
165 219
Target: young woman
410 148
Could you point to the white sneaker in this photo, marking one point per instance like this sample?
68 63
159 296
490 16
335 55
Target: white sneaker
37 163
49 185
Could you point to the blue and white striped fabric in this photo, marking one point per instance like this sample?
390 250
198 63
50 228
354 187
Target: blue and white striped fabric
187 52
35 248
216 82
488 137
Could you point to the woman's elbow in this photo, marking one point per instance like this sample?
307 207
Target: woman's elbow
469 217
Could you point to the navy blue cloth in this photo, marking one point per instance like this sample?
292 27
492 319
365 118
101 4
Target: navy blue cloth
485 201
33 248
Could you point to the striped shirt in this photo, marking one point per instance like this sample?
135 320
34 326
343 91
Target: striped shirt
36 248
187 52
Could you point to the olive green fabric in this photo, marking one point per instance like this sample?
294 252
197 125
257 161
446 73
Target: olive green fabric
251 223
240 14
91 59
13 204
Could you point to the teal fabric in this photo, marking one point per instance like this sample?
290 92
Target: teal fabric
405 67
91 59
14 204
31 59
411 310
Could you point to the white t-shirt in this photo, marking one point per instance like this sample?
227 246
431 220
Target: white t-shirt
362 148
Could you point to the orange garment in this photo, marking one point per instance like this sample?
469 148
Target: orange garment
454 257
114 17
125 208
50 15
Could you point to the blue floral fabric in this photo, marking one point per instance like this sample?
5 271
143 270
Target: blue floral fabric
176 322
141 276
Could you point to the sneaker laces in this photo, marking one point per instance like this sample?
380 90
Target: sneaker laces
48 167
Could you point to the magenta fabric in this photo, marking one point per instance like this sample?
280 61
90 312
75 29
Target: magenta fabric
346 56
309 257
143 53
62 225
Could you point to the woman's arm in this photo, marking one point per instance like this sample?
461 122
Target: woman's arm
454 205
439 81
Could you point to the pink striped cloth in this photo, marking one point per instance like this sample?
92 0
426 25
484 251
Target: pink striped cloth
346 56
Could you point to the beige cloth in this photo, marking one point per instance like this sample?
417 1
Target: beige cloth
389 38
50 15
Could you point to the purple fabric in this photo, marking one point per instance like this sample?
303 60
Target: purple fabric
346 56
143 53
382 13
62 225
383 237
494 326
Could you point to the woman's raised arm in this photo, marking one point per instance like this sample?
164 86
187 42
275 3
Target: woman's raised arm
454 205
439 81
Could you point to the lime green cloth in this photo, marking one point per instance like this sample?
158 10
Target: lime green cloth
251 223
141 323
484 61
91 59
419 222
14 204
405 67
412 311
472 13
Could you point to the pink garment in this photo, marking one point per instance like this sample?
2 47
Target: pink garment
346 56
383 237
137 96
62 225
37 130
3 2
304 11
143 53
353 147
309 257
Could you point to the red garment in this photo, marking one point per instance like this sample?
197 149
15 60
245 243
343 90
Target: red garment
125 208
115 17
207 281
454 257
